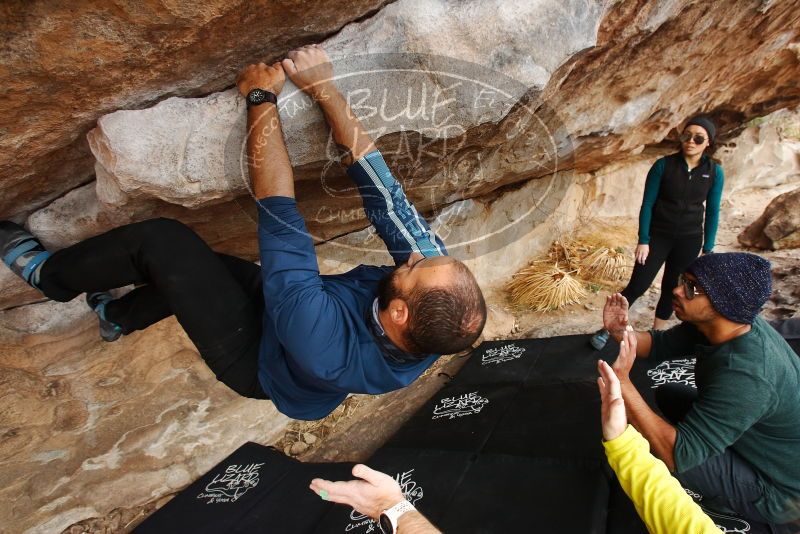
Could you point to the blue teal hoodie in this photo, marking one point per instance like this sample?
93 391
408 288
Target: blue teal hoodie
317 344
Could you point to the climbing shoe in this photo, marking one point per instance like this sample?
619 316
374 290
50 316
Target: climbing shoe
97 301
599 339
22 252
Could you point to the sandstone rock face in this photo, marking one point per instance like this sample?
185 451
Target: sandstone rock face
229 227
90 426
499 323
177 153
67 64
544 116
15 292
189 151
582 98
778 227
765 154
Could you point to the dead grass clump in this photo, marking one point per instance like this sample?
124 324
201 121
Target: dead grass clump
543 286
591 257
606 264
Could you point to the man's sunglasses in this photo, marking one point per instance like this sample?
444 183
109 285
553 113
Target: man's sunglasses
697 138
690 287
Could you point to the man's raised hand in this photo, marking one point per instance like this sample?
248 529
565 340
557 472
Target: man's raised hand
310 69
615 314
261 76
371 495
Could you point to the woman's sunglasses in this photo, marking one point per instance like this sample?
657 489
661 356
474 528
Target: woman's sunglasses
697 138
689 287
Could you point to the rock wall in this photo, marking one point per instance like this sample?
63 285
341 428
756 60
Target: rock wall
90 426
778 227
585 95
66 64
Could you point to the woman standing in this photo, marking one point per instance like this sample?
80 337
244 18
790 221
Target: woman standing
681 191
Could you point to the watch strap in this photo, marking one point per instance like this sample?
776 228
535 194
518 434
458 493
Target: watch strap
394 513
258 96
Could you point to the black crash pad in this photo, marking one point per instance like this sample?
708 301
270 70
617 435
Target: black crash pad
511 444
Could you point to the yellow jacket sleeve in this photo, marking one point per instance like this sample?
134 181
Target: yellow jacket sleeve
658 497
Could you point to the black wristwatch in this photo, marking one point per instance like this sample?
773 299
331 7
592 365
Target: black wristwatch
258 96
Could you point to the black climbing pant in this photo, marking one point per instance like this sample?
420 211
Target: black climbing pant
677 253
216 298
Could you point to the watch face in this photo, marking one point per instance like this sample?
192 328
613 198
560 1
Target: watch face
385 524
256 96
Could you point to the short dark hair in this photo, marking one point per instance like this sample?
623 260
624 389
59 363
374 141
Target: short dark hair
446 320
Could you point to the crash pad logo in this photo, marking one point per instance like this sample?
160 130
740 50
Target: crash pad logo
673 372
502 354
729 523
232 484
411 491
726 523
452 407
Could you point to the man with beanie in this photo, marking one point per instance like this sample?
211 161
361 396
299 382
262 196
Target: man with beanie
735 440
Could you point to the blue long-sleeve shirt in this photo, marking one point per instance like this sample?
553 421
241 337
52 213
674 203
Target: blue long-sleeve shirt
316 344
657 188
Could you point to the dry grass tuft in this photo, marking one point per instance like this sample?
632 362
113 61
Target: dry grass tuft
606 264
543 286
593 256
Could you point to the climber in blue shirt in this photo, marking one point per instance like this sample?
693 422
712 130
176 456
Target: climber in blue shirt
280 331
373 329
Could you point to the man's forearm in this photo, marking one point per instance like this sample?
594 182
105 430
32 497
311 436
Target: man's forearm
268 161
348 133
660 434
413 522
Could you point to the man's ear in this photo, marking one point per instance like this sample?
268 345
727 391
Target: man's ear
399 312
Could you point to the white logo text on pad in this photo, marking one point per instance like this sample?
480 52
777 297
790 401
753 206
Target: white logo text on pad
466 404
502 354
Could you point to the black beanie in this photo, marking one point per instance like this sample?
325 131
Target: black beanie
705 123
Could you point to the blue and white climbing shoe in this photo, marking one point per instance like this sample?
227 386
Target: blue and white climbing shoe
97 301
22 252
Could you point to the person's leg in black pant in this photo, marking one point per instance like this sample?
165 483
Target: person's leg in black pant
682 253
183 276
145 305
641 278
643 275
728 484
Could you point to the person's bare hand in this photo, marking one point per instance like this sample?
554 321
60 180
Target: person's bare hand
371 495
612 412
261 76
310 69
642 251
627 355
615 314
